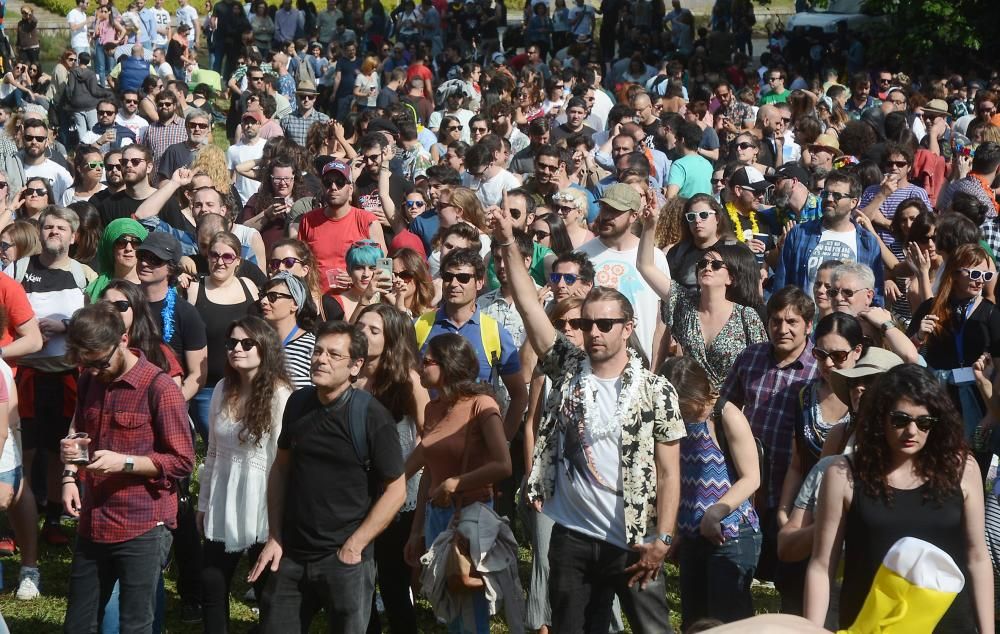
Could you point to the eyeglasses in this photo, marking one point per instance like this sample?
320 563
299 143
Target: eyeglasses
691 216
604 325
134 162
40 138
102 364
121 305
282 179
540 235
902 420
976 275
410 204
846 292
246 344
406 276
107 112
95 165
289 262
194 125
570 278
36 191
125 241
746 146
707 262
463 278
896 163
273 296
836 196
897 102
837 356
225 258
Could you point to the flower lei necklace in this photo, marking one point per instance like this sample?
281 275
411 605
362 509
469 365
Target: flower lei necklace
734 216
167 314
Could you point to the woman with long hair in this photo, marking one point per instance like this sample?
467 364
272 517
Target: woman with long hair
116 254
151 88
19 239
221 297
718 529
286 306
88 235
33 198
571 205
902 222
449 132
463 450
268 210
958 325
745 149
550 231
144 334
925 262
711 324
911 475
293 256
245 414
462 208
412 287
88 165
391 374
705 225
263 27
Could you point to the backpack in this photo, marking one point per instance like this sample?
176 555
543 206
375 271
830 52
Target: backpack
489 330
357 401
21 268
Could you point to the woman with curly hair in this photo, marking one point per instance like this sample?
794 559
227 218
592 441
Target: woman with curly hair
412 287
246 410
911 475
269 209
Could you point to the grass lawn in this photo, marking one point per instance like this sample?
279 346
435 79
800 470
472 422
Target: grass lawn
45 614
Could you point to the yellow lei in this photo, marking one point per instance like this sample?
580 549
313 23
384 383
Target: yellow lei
734 217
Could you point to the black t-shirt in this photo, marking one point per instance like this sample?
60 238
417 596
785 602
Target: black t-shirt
366 194
320 515
121 205
189 328
561 131
175 156
332 310
981 334
681 260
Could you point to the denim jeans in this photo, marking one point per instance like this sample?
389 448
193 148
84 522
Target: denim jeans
297 591
715 580
85 120
134 564
436 521
198 408
103 63
586 574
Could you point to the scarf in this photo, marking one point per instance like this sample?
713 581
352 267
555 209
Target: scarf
106 252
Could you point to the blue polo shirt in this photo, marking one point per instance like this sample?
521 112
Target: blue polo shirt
510 362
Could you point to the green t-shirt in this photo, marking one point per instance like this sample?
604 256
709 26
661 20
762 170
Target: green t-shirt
537 269
775 97
693 174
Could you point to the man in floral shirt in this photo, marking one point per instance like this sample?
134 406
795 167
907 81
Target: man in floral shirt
606 466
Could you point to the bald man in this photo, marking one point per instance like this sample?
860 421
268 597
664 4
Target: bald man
771 125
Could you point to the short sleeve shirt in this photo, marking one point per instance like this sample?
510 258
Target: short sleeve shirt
330 238
510 362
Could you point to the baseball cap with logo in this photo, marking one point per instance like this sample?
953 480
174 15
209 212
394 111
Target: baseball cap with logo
339 167
622 197
749 177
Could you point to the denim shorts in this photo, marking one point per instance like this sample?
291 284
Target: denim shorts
12 477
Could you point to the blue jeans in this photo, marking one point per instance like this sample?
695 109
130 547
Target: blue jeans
436 521
103 63
198 408
715 580
16 99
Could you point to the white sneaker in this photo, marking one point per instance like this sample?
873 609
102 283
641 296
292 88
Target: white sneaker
27 588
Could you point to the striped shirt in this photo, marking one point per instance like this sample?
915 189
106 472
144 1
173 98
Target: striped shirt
298 356
890 204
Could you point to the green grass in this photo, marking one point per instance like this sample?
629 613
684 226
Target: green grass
45 614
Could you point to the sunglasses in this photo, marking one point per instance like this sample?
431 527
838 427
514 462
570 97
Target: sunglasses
706 263
257 78
691 216
406 276
335 183
121 305
289 262
976 275
225 258
36 191
273 296
194 125
3 184
746 146
560 324
125 241
924 240
410 204
896 163
130 101
604 325
570 278
134 162
150 259
540 235
846 292
103 364
36 138
427 361
463 278
164 104
107 112
836 196
246 344
6 245
94 165
837 356
902 420
453 128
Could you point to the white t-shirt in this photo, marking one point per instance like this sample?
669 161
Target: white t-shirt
53 172
10 458
78 36
616 269
135 123
490 192
165 71
833 245
463 116
236 154
187 15
581 503
161 19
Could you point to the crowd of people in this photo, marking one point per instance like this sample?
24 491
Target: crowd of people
374 297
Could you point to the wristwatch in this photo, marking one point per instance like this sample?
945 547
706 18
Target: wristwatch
129 464
887 326
69 473
666 538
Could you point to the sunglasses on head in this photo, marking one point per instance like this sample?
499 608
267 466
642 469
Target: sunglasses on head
121 305
225 258
902 420
463 278
707 262
289 262
246 344
570 278
976 274
604 325
691 216
838 356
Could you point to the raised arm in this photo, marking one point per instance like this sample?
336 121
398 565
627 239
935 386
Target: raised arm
151 206
659 282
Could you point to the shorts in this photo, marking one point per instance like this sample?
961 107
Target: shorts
50 423
12 478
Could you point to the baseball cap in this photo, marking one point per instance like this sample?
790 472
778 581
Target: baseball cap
749 177
622 197
339 167
796 171
162 245
256 115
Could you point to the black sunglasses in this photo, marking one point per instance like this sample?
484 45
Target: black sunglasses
39 138
901 420
289 262
836 196
604 325
463 278
127 240
273 296
560 324
714 264
838 356
36 191
102 364
540 235
404 275
246 344
121 305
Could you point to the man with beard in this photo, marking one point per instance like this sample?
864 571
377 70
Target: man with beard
250 147
378 189
296 125
199 133
107 133
835 236
113 176
54 284
137 165
167 130
793 199
772 130
37 164
331 230
128 114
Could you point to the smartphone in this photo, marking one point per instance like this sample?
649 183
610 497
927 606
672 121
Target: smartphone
385 264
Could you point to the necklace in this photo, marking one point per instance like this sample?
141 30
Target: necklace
734 216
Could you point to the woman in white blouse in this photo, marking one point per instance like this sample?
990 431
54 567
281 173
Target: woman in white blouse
245 416
366 85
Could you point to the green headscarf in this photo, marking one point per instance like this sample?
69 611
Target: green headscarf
106 252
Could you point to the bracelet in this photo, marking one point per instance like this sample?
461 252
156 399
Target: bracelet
65 482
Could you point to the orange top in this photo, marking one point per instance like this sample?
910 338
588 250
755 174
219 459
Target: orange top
447 437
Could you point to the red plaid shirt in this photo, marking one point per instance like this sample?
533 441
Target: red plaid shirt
141 413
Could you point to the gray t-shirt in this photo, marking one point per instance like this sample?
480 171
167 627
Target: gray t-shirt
809 491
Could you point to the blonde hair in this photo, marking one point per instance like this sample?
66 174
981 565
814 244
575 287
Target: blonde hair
472 210
575 197
668 226
210 160
369 65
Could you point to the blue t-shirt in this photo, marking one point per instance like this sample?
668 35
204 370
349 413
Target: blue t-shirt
510 362
693 174
426 226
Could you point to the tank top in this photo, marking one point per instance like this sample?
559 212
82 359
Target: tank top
811 430
873 527
704 480
217 318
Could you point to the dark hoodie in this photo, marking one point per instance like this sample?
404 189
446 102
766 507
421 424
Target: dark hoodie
83 90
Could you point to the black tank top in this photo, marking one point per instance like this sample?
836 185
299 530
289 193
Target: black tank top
872 529
217 318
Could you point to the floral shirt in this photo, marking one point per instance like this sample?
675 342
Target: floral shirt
651 415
